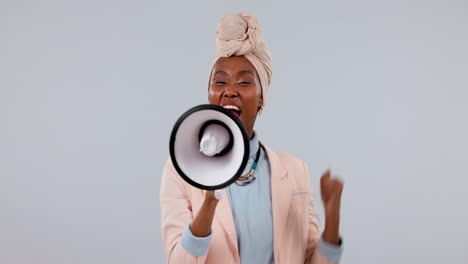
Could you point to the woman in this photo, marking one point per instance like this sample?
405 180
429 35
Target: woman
267 217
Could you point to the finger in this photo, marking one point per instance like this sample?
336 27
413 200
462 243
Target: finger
336 178
326 174
337 185
339 182
325 177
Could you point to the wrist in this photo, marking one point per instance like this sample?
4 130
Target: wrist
332 219
332 235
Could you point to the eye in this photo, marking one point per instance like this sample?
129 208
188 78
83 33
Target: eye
244 83
219 83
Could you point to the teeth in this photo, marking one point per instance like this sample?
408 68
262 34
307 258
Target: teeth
233 107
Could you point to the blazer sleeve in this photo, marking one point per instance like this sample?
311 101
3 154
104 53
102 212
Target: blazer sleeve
313 255
176 215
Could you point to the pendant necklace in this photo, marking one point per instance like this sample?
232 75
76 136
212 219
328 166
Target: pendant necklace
249 177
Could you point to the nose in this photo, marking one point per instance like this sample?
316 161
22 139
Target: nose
231 91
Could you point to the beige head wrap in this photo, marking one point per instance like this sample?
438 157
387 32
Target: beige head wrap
240 35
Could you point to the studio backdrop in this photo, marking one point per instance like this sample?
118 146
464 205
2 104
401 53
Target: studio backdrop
90 92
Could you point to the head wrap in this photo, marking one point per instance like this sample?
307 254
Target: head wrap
240 35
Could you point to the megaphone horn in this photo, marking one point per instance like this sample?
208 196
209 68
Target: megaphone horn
209 147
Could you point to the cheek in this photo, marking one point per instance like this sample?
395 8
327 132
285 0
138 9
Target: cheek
254 96
251 100
213 96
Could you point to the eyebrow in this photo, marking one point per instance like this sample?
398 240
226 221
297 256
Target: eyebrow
220 72
239 73
249 72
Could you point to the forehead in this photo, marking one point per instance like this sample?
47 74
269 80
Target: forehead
233 64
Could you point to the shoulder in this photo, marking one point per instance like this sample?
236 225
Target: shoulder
169 168
287 164
288 158
170 178
289 161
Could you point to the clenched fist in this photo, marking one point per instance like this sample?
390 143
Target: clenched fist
331 189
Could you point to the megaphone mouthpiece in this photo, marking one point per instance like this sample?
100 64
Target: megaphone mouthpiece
208 145
215 138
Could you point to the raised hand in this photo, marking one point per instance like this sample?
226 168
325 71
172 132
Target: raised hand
331 189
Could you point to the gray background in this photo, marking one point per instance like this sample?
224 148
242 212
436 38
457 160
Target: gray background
89 91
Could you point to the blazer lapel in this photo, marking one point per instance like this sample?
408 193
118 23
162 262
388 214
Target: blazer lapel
280 196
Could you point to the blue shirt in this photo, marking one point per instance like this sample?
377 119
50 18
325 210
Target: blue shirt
251 209
253 219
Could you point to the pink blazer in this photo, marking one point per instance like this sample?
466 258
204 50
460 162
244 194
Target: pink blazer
295 223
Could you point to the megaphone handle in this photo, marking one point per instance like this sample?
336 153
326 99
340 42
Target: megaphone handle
218 194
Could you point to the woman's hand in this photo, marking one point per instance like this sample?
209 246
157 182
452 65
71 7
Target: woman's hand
331 189
201 225
210 196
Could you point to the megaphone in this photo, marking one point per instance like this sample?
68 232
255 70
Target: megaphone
209 147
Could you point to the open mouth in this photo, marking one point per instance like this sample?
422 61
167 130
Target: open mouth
233 109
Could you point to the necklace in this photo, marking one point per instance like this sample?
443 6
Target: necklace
249 177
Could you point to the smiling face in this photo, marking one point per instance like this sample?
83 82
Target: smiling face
234 85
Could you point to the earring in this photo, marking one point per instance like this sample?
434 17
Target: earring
260 110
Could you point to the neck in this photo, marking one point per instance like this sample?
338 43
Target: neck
250 134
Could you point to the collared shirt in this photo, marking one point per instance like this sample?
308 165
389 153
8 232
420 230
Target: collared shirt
252 212
251 209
